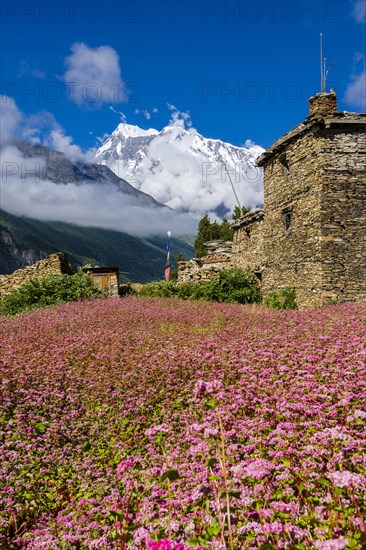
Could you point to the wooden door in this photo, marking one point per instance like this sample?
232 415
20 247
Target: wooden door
102 282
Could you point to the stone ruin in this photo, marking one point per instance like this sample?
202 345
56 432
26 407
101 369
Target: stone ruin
54 264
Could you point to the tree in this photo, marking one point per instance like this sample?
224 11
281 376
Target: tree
239 212
204 228
211 231
226 231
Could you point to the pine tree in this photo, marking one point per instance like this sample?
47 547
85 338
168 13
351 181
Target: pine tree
239 212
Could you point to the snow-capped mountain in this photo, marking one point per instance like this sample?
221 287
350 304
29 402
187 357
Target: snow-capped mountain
183 169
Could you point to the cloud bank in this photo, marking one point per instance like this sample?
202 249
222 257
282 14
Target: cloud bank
188 172
41 127
25 193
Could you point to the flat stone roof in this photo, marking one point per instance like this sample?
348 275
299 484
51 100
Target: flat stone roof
249 218
341 119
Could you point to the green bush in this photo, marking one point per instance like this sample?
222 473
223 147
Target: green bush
239 287
47 291
164 289
281 299
233 285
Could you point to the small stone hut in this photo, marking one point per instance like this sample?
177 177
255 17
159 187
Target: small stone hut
105 278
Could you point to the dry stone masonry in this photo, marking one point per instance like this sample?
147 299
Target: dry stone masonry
219 256
311 233
54 264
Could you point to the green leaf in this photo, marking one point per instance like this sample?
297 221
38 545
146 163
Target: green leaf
171 474
234 494
213 529
211 462
210 404
324 481
41 427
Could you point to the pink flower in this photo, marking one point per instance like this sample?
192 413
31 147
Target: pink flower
275 528
346 479
162 544
332 544
257 469
122 466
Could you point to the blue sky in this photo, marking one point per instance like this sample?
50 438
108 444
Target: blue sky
241 69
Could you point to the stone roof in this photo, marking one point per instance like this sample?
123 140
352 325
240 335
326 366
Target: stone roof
249 218
311 123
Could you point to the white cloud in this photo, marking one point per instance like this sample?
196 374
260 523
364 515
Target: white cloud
41 127
179 119
11 119
359 11
255 149
61 142
93 76
25 193
121 115
178 169
143 112
355 94
25 69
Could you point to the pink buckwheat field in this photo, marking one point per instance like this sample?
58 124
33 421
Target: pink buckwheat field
164 424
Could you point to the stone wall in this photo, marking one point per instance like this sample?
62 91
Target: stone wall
55 264
247 251
219 256
343 215
291 226
323 104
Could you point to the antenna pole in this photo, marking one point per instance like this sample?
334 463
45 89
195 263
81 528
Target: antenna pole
321 63
325 73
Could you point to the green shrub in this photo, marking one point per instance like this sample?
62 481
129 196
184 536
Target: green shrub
207 291
164 289
281 299
233 285
239 287
47 291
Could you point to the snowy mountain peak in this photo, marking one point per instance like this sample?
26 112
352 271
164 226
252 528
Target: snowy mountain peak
183 169
129 130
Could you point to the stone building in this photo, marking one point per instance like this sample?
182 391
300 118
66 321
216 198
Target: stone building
311 233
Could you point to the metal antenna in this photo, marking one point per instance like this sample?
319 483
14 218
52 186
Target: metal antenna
324 70
321 63
327 71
